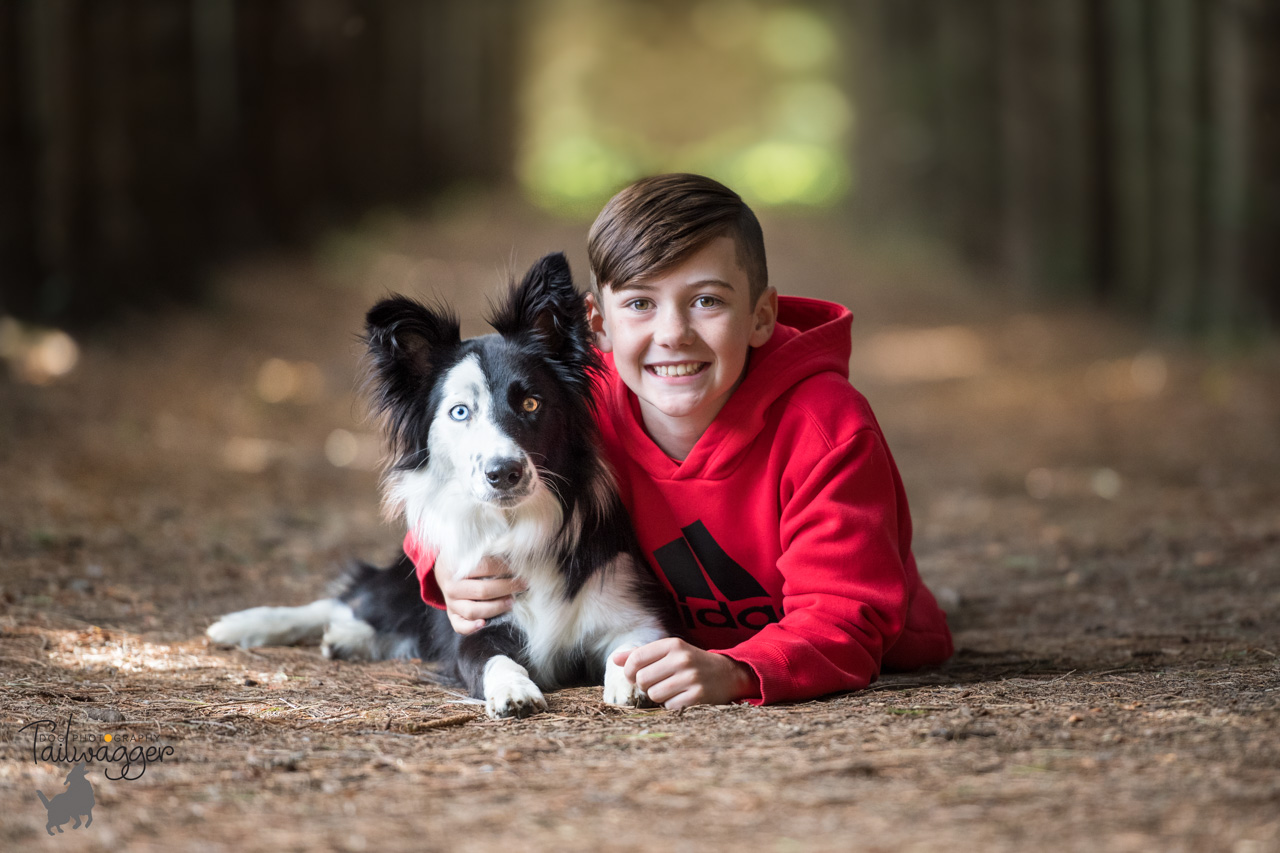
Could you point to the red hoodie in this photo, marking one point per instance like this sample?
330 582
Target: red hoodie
784 537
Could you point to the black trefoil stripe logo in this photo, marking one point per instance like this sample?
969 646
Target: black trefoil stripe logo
694 563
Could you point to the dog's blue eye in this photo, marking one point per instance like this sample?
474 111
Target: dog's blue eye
459 413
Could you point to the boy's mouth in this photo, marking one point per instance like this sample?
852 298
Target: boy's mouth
684 368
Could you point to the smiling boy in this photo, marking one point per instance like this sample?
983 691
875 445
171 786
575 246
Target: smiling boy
757 478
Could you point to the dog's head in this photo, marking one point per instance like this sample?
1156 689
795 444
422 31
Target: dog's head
503 412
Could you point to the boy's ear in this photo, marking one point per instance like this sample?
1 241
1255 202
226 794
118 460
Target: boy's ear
599 331
546 307
765 317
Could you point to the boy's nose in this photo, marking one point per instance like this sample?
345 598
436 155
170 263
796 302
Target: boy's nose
673 329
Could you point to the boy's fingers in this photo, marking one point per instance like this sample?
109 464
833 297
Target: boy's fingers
637 659
663 686
486 589
646 655
470 609
684 699
656 671
465 626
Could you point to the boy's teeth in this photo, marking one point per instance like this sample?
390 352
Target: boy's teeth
676 369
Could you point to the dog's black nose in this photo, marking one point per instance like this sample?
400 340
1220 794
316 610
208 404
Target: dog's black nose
504 473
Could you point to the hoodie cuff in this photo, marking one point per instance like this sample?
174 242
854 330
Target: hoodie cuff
424 560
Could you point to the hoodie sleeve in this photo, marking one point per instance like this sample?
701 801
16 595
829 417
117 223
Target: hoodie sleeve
424 561
845 585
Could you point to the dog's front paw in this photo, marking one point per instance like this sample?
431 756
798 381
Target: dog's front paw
619 691
508 690
515 699
623 692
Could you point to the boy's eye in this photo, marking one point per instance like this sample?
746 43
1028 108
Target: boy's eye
707 301
530 404
640 304
459 413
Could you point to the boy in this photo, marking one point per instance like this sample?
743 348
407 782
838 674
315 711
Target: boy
757 478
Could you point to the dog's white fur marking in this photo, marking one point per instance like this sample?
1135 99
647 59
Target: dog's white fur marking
617 689
450 502
464 448
508 690
603 616
275 626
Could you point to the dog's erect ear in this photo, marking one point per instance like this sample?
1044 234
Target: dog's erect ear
408 342
406 335
547 306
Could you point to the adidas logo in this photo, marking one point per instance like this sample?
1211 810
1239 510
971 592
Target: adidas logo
695 563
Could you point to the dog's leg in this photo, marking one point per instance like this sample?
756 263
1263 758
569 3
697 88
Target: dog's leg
508 690
347 637
617 689
385 617
274 626
487 662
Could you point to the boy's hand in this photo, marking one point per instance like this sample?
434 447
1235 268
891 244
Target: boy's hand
470 601
677 675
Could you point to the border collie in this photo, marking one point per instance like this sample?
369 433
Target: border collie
493 451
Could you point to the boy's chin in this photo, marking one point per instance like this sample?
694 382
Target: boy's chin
692 406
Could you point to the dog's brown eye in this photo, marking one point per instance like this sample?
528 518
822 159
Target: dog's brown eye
531 404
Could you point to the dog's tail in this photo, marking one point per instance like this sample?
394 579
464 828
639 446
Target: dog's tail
43 799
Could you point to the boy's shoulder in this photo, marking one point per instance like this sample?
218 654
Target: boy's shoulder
826 404
803 372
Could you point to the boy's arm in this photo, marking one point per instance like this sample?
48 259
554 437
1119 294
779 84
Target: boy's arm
846 588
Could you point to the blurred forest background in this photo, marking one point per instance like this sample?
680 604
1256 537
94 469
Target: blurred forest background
1113 151
1055 220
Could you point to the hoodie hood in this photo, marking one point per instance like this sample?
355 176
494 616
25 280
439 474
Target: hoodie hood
811 337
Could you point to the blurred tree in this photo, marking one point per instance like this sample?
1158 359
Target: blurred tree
1128 149
139 139
747 91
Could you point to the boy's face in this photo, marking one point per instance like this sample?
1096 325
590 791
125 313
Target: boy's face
680 339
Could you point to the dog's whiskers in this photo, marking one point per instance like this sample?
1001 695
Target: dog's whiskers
549 477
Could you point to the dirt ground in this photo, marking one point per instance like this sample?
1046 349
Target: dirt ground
1097 507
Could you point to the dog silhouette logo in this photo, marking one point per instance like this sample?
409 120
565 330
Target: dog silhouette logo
77 800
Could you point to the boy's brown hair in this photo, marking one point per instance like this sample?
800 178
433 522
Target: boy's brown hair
655 223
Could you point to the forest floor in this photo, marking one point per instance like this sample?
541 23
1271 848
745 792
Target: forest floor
1098 509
